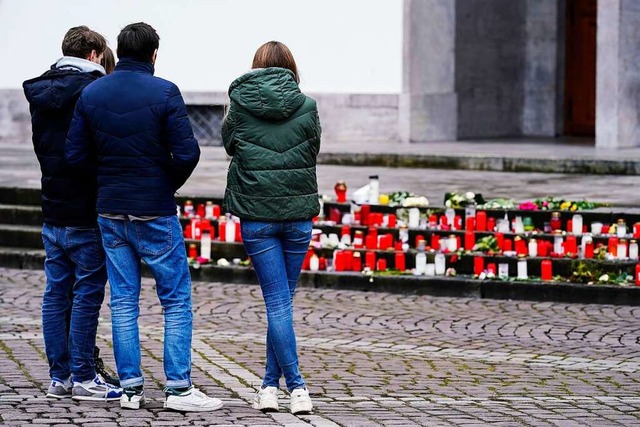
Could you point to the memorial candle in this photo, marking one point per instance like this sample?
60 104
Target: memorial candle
469 239
481 221
478 265
400 261
546 270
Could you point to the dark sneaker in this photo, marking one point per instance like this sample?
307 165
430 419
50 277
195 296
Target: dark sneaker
190 400
59 389
100 370
95 390
132 397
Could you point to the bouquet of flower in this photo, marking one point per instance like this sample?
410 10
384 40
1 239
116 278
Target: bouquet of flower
557 203
459 200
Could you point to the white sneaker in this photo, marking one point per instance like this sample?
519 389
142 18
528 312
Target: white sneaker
300 401
266 400
132 398
60 389
192 400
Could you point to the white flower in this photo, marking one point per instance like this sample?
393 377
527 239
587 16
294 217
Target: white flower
470 195
223 262
482 276
447 203
491 275
603 278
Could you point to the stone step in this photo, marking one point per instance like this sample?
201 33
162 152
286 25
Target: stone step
26 215
459 286
21 236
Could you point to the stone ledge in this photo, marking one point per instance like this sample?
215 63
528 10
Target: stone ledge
462 287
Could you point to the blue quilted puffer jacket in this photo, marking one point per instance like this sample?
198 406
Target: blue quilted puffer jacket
134 129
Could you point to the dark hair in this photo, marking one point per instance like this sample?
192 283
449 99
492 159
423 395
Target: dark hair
80 41
138 41
108 61
275 54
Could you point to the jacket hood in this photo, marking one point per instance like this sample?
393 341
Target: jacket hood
59 88
268 93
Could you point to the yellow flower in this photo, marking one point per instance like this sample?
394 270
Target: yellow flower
574 207
565 206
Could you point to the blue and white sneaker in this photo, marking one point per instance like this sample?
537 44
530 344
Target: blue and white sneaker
96 389
60 389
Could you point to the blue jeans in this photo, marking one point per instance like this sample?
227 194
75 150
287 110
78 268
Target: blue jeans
76 277
159 243
277 250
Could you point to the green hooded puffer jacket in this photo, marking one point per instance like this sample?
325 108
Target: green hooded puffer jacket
272 130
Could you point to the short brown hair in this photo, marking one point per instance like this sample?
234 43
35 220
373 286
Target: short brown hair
80 41
275 54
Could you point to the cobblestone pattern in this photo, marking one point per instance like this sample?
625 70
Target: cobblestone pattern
369 359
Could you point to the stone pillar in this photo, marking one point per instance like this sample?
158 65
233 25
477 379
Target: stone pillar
428 103
618 74
542 73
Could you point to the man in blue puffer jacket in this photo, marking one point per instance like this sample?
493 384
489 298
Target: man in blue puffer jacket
134 129
75 262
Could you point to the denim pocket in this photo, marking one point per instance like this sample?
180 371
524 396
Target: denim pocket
84 248
110 237
255 229
302 228
155 237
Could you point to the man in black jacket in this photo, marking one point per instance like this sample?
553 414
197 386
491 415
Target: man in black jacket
75 262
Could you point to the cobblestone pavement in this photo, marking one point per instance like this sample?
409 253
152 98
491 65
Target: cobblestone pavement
370 359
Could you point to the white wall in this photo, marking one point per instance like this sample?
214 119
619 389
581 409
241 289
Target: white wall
350 46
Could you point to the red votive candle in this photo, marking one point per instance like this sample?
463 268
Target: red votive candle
588 250
470 224
521 246
469 240
216 211
507 246
338 261
348 260
400 261
371 241
637 274
364 214
201 210
370 260
546 270
491 224
420 238
500 240
345 230
478 265
392 221
356 264
481 221
491 268
613 246
382 264
457 221
193 251
571 245
435 241
433 220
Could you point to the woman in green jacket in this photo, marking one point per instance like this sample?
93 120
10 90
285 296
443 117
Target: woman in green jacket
272 131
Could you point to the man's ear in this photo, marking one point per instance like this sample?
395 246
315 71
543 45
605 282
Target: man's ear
93 56
154 57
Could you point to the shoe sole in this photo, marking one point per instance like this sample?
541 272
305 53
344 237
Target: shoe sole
305 410
59 396
132 405
95 399
267 409
190 408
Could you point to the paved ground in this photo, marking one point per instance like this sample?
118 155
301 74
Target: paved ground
369 360
20 169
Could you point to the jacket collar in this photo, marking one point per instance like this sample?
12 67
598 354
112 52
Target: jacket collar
131 64
77 64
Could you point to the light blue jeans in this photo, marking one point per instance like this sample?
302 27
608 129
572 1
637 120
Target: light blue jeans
159 243
76 277
277 251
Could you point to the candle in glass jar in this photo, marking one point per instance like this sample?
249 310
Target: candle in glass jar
622 249
370 260
478 265
452 243
613 246
533 248
205 244
570 245
430 270
499 240
440 262
621 229
469 240
356 263
400 261
546 270
414 217
470 223
556 222
520 246
596 228
193 251
633 250
382 264
522 270
481 221
558 243
503 270
576 224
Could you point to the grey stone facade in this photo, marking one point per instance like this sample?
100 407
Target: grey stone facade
495 68
344 117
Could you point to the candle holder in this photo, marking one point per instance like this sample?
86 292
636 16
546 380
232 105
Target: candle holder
341 191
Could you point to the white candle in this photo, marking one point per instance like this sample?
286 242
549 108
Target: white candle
533 248
430 270
230 230
314 263
414 217
452 244
503 270
205 245
421 263
633 250
440 264
522 269
622 250
596 228
576 224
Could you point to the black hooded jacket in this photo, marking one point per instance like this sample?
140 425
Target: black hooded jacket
67 199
